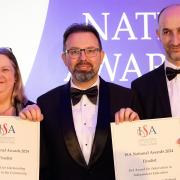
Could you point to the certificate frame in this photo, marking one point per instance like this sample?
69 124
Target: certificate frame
19 148
147 149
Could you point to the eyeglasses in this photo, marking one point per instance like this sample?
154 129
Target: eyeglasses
89 52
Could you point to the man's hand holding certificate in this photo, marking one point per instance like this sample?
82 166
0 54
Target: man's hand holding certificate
19 149
147 150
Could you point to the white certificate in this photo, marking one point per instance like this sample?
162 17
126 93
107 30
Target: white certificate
19 149
147 149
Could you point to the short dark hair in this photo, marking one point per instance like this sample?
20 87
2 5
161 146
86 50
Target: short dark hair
76 27
172 5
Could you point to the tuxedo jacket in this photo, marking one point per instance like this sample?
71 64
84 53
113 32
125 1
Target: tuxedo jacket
61 155
152 93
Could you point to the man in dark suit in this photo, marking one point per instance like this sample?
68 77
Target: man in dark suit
159 90
66 145
75 133
76 138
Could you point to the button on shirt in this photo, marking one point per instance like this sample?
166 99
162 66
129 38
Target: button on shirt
85 120
174 91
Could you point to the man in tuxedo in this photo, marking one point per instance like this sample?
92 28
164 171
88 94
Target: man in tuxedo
75 132
159 90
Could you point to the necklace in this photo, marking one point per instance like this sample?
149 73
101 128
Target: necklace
6 110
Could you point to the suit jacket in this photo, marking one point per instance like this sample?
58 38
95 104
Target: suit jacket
61 155
152 93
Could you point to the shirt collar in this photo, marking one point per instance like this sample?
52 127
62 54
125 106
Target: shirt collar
169 64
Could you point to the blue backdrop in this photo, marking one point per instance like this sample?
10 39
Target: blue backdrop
127 30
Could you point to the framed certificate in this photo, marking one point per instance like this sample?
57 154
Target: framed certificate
147 149
19 149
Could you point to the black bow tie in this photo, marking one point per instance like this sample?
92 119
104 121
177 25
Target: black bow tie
171 73
91 93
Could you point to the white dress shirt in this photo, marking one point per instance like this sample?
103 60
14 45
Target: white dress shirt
174 91
85 120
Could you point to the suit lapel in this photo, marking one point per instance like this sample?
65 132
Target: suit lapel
102 128
69 133
162 91
103 123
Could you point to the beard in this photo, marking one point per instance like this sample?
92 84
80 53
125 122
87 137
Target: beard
82 75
